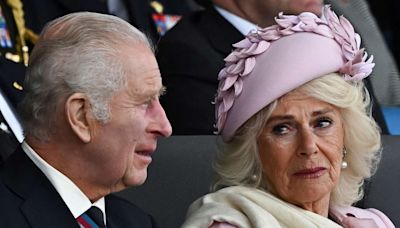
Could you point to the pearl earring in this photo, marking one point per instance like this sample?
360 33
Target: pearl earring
344 163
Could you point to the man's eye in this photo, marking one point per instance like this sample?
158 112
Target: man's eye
150 101
323 122
280 129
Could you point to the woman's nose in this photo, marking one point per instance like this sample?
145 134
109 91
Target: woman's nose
308 143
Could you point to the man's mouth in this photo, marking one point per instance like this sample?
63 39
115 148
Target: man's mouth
144 153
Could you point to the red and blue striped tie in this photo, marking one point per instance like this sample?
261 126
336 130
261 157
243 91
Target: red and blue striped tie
92 218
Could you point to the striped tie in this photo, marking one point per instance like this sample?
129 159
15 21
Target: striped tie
92 218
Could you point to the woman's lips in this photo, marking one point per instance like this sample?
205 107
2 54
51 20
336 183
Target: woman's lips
311 173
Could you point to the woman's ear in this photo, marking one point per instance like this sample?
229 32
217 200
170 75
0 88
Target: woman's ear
79 116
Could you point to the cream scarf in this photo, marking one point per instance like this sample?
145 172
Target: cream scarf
246 207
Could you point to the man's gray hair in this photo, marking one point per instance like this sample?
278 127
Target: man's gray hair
78 52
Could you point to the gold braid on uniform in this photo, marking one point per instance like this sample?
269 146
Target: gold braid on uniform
24 34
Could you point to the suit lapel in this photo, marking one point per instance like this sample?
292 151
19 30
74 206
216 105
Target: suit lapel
219 31
48 211
115 220
124 214
42 205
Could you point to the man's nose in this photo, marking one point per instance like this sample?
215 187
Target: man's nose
160 124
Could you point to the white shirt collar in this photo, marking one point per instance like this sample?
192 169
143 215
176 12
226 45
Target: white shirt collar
76 201
244 26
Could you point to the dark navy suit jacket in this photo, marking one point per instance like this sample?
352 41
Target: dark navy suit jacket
28 199
190 56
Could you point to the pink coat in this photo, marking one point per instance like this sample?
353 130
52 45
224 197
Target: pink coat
348 217
351 217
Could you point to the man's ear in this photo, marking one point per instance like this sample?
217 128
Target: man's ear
79 116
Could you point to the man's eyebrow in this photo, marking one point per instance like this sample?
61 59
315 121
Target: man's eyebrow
162 91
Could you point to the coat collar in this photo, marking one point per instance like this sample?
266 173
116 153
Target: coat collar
42 205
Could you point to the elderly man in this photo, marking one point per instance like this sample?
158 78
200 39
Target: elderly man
91 118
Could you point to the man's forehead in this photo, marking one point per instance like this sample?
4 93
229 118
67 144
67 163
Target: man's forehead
153 82
141 68
148 70
148 83
139 60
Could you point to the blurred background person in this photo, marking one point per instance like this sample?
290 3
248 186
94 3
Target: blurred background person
153 18
298 137
387 88
386 14
191 54
15 42
386 85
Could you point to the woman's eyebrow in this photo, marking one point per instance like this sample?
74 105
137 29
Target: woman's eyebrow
322 112
281 117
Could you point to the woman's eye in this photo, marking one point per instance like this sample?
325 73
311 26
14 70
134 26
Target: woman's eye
280 129
323 122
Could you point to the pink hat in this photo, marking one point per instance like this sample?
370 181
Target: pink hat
273 61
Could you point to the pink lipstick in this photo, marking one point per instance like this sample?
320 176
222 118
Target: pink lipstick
311 173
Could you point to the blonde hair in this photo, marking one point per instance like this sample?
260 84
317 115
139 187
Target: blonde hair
238 162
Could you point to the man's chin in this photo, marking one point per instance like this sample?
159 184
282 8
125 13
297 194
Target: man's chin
136 180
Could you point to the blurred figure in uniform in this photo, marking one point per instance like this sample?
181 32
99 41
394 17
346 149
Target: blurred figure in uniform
153 18
386 84
388 19
15 40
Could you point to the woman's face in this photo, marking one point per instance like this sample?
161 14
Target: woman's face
301 149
